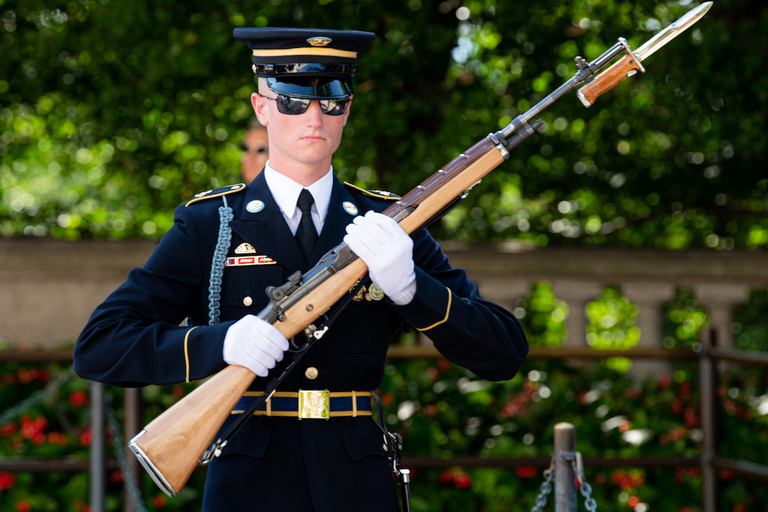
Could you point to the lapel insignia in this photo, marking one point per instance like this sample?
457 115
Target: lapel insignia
372 293
245 248
255 206
350 208
247 261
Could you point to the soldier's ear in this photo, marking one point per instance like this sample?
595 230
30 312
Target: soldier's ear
259 104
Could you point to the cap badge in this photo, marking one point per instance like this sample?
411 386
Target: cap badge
350 208
245 248
319 41
255 206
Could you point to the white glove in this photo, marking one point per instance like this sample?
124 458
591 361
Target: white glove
387 250
255 344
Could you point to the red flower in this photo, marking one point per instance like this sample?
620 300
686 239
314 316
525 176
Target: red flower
387 399
458 477
443 364
85 437
116 477
665 381
23 506
430 410
78 398
633 501
7 481
32 429
462 480
433 373
57 438
446 477
8 429
158 501
526 471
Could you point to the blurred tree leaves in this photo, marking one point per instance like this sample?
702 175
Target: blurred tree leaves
114 112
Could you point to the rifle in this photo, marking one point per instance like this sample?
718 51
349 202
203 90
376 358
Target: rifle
171 446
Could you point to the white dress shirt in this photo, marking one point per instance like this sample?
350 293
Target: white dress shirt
286 193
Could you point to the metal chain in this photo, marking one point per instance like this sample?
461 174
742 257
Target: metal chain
36 397
130 483
546 487
584 487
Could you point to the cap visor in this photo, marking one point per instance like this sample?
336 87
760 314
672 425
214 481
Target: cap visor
302 88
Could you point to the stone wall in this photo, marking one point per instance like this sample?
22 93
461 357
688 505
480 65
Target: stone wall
48 288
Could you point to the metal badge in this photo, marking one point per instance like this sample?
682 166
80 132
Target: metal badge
375 292
311 373
350 208
319 41
247 300
255 206
245 248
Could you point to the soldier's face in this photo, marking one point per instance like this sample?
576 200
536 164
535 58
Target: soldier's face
301 143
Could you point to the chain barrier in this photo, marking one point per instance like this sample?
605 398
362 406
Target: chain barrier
130 484
578 469
546 487
584 488
36 397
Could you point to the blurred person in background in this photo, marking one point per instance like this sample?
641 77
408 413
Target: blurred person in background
255 148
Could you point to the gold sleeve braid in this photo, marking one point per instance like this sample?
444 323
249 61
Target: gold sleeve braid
447 314
186 350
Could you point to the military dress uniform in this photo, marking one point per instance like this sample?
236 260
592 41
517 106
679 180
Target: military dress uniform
138 336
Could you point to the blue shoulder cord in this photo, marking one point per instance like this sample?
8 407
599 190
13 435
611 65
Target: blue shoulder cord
217 267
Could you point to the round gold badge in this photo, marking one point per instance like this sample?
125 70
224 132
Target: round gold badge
311 373
375 292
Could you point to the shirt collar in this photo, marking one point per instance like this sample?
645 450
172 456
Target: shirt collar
286 191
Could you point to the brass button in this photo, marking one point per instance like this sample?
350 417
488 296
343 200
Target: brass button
311 372
247 300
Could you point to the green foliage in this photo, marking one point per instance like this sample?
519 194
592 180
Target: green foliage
113 113
442 411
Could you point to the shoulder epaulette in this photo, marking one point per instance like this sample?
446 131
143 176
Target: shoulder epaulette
380 194
216 192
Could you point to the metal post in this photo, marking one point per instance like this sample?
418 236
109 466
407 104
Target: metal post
131 426
565 478
98 460
708 398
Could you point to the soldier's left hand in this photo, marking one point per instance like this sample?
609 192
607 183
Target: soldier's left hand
387 250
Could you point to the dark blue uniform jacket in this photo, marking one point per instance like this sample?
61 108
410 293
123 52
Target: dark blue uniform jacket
134 338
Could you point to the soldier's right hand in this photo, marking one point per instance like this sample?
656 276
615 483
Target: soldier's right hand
255 344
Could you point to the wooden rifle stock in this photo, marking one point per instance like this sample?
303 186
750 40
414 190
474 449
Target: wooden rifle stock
170 447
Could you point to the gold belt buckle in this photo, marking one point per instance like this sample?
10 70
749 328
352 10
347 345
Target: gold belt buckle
314 404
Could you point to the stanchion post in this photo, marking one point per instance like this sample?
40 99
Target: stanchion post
565 478
708 378
132 426
98 457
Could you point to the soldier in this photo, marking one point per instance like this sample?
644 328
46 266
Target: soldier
228 245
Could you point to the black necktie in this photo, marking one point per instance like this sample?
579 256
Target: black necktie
306 235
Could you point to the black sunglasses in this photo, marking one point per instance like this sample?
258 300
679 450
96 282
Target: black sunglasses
297 106
257 150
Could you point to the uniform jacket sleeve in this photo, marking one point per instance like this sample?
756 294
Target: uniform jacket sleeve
468 330
134 337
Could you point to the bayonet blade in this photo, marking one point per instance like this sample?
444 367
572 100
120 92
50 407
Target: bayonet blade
671 31
630 63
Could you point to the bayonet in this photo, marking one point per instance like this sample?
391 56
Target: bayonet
630 63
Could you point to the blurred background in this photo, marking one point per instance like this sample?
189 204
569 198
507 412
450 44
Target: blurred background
113 112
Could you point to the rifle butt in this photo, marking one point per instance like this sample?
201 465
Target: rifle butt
170 447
